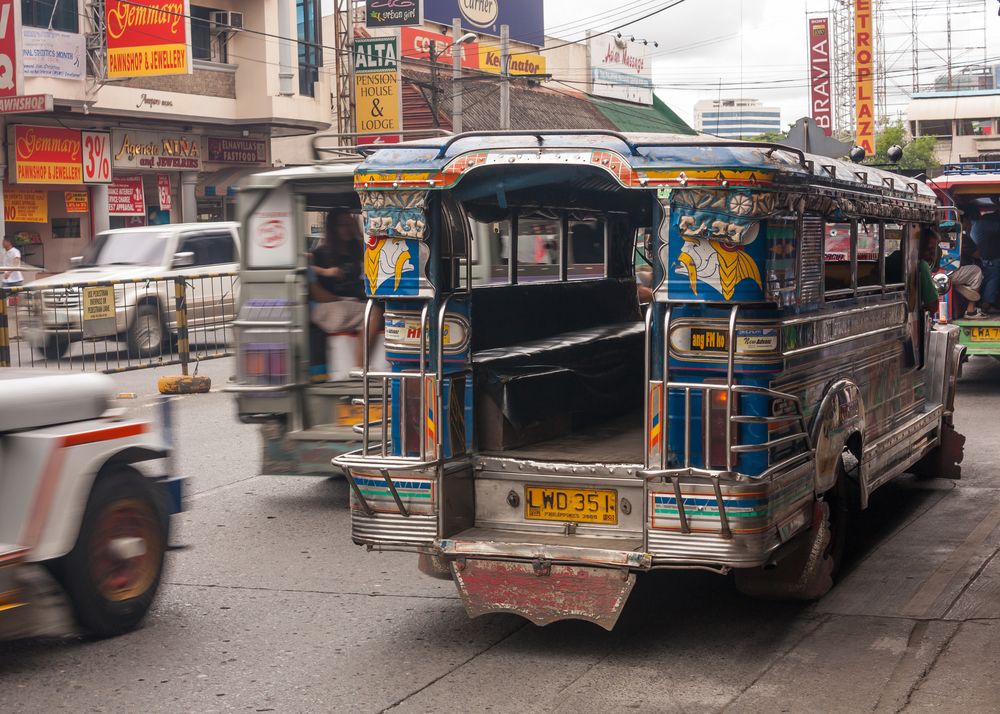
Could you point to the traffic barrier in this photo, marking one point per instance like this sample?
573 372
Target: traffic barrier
119 325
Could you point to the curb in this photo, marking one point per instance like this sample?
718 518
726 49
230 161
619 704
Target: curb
184 384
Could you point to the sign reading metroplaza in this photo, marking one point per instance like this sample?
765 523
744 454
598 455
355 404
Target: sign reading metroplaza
148 39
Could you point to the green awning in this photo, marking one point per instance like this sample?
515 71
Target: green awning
638 118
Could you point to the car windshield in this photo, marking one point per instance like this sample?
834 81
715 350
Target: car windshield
128 248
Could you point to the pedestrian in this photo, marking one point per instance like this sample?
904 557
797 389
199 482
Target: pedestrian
967 279
11 259
986 236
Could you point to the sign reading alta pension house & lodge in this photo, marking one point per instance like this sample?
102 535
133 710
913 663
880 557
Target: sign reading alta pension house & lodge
132 149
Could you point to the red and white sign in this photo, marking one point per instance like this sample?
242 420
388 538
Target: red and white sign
126 197
163 191
379 139
819 73
8 50
26 104
416 43
96 156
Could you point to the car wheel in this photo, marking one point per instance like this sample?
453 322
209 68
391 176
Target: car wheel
113 572
145 334
55 347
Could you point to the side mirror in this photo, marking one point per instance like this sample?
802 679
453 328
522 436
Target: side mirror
183 260
76 261
942 282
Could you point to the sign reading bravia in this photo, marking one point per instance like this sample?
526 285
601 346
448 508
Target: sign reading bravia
524 18
392 13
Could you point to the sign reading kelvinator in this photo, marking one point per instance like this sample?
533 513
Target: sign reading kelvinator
147 39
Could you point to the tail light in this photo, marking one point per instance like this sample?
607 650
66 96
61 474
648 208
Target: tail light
715 419
264 363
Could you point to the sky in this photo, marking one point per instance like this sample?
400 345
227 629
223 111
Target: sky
757 48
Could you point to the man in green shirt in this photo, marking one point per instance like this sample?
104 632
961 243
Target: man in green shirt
929 256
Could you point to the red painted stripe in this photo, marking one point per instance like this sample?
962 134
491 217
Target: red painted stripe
114 432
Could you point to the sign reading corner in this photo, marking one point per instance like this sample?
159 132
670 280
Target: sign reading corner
525 18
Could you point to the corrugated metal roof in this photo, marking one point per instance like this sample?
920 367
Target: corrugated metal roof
636 117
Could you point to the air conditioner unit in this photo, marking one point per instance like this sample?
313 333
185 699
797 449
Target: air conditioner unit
226 21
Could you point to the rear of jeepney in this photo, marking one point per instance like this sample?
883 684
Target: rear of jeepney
722 474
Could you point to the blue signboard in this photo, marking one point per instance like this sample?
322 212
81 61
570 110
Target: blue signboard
525 18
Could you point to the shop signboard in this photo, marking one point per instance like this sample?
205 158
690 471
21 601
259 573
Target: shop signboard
519 63
77 201
819 73
393 13
134 149
25 205
377 86
50 53
372 139
524 18
126 197
46 154
163 192
620 69
229 150
96 156
9 80
147 39
26 104
417 42
864 30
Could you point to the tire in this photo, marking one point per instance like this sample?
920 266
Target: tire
146 333
111 592
55 347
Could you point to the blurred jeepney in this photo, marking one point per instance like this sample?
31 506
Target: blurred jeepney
544 440
962 187
83 531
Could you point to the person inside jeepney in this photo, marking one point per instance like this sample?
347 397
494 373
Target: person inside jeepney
929 257
336 289
967 279
985 232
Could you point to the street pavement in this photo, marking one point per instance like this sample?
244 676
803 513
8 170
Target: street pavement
273 609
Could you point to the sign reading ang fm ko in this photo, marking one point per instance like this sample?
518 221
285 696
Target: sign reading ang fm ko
864 32
819 73
147 39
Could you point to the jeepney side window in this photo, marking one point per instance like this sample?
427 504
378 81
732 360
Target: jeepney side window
869 252
838 280
539 249
490 252
587 248
894 256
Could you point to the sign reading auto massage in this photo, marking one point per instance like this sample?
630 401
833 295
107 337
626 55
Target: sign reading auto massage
620 69
131 149
46 154
147 39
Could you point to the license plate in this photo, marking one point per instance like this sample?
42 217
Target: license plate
984 334
350 414
580 505
707 340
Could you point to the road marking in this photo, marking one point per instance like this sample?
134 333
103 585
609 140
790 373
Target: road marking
923 600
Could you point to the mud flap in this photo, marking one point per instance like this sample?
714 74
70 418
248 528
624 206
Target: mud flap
542 592
945 460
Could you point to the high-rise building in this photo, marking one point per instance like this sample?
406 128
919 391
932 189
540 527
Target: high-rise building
736 118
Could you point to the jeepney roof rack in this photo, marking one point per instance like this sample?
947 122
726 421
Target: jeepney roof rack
972 167
350 152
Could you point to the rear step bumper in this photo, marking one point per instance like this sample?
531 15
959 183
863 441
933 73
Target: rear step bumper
547 552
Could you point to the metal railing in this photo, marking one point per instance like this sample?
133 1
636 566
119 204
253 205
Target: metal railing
666 471
118 325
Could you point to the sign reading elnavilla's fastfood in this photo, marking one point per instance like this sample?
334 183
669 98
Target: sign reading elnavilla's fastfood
147 39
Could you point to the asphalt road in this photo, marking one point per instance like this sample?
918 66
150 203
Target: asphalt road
273 609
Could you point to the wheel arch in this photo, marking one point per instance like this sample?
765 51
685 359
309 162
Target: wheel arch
839 424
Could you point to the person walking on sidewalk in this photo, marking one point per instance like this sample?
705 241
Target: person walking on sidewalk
11 260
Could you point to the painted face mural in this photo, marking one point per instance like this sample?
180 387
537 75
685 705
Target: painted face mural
385 259
720 264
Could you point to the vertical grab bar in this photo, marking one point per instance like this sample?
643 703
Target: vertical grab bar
665 392
730 357
365 392
422 421
647 364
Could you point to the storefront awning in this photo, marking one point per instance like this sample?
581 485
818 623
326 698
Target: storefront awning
224 182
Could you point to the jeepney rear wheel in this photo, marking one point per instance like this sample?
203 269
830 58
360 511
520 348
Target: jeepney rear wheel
113 571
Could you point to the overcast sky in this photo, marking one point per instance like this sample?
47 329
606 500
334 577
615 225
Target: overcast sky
760 45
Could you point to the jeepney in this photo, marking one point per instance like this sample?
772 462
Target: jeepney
542 441
960 188
83 532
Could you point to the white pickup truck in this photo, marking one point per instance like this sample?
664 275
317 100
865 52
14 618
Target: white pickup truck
83 531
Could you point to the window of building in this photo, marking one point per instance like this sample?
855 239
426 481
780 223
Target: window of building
307 13
934 127
66 228
62 14
206 44
975 127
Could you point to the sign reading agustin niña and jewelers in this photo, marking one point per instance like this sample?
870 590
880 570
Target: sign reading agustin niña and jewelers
45 154
147 39
133 149
393 13
377 86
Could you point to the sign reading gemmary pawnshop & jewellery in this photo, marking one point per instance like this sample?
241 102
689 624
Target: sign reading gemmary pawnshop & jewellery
131 149
45 154
377 86
147 39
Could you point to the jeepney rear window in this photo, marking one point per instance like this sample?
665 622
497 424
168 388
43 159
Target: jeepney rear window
539 249
586 249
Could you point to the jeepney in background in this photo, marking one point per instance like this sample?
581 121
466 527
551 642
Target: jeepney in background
543 441
960 187
80 525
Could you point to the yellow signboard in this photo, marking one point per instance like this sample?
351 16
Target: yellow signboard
377 90
25 206
77 202
99 303
519 63
864 43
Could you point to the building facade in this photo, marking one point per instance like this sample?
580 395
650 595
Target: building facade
94 151
964 122
736 118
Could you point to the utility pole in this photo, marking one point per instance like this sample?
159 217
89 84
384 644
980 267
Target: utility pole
456 73
504 79
433 54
